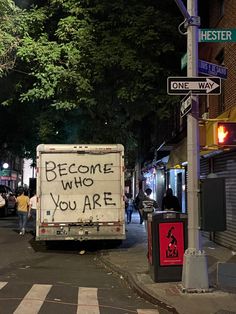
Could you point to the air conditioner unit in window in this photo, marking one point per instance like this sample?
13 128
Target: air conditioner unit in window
205 115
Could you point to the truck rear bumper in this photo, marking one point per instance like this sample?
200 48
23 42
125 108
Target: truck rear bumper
80 233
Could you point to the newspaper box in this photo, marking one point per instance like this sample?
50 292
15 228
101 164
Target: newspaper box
167 241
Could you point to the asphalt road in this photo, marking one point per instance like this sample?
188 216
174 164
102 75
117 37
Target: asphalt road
60 279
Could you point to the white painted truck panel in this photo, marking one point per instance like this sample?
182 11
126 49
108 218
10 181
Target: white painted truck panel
82 187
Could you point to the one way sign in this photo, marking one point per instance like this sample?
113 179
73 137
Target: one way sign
197 85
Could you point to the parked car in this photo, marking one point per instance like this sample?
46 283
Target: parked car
10 207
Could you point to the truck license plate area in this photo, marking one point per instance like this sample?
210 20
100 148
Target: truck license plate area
61 232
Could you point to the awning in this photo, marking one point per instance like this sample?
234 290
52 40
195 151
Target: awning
178 155
156 163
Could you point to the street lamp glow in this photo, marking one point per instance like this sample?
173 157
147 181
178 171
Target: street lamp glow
5 165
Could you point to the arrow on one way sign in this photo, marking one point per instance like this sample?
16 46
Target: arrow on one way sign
197 85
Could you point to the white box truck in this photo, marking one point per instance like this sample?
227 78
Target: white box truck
80 192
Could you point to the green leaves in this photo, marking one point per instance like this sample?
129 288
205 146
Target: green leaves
100 64
10 28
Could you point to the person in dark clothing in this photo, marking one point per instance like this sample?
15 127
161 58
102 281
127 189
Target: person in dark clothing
147 205
170 202
138 200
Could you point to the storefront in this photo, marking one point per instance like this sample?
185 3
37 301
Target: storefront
9 178
223 165
220 161
177 173
155 178
176 180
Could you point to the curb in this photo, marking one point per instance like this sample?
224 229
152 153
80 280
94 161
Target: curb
134 285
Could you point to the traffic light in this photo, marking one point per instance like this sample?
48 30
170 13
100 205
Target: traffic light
225 133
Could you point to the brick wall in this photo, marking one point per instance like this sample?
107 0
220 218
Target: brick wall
210 51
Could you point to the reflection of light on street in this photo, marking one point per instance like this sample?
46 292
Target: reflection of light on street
183 187
169 186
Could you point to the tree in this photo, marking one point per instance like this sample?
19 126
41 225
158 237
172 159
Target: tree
102 64
10 30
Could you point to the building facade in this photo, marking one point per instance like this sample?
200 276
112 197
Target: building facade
219 161
11 172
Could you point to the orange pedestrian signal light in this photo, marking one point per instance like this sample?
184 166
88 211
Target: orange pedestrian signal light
226 133
222 134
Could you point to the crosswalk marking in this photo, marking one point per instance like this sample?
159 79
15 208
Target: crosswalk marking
147 311
87 301
33 300
2 284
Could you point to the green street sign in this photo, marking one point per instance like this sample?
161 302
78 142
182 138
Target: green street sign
217 35
5 172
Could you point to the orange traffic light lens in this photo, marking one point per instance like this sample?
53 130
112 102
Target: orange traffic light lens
222 133
226 133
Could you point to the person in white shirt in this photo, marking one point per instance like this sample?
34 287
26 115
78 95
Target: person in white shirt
32 211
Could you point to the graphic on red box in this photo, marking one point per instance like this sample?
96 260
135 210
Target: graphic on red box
171 243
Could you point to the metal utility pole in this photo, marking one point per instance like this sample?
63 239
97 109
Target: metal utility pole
195 274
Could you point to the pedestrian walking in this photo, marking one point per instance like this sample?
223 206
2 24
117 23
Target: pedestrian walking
129 207
11 203
22 203
148 205
32 210
137 202
170 201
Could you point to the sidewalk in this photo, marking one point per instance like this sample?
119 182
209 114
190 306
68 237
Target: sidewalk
130 262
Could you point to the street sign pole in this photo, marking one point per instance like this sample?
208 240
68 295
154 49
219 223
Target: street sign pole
195 274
